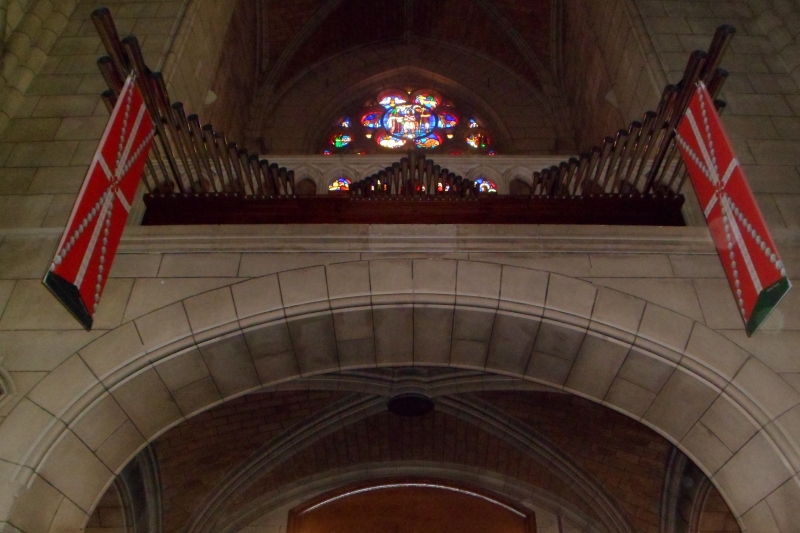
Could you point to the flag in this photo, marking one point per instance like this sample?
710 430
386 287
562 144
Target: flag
84 256
749 256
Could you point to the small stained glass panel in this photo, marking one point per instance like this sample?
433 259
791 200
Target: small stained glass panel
477 140
427 100
372 120
392 100
340 185
446 120
485 185
431 141
340 140
388 141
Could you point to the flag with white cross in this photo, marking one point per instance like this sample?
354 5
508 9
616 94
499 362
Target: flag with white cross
754 269
79 270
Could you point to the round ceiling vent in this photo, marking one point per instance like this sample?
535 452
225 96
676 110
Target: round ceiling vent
410 404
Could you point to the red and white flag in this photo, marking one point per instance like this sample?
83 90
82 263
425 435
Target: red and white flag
84 256
754 269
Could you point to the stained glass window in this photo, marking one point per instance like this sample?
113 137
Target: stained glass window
403 120
485 185
340 185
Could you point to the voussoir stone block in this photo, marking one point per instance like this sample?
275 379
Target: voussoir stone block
783 504
728 421
229 361
569 300
394 335
433 327
276 368
348 284
478 284
352 324
314 341
182 368
646 370
69 517
197 396
113 350
765 388
758 463
711 349
258 297
434 281
211 313
629 397
164 326
468 353
614 310
75 471
35 506
513 338
63 386
147 402
760 518
559 339
664 332
596 365
120 447
680 404
549 369
304 290
22 427
268 339
357 353
473 324
391 281
523 290
99 421
705 448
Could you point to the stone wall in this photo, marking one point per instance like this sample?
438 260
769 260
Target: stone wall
611 75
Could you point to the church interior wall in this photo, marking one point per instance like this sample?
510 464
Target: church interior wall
742 395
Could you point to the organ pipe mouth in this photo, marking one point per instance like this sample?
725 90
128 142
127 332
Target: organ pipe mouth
410 405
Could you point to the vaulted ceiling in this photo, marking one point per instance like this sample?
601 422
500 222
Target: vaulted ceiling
300 34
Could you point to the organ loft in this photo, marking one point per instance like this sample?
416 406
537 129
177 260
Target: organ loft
399 266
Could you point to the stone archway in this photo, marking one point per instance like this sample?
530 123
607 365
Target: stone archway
65 441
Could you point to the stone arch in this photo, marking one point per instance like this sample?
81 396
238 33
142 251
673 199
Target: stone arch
64 442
